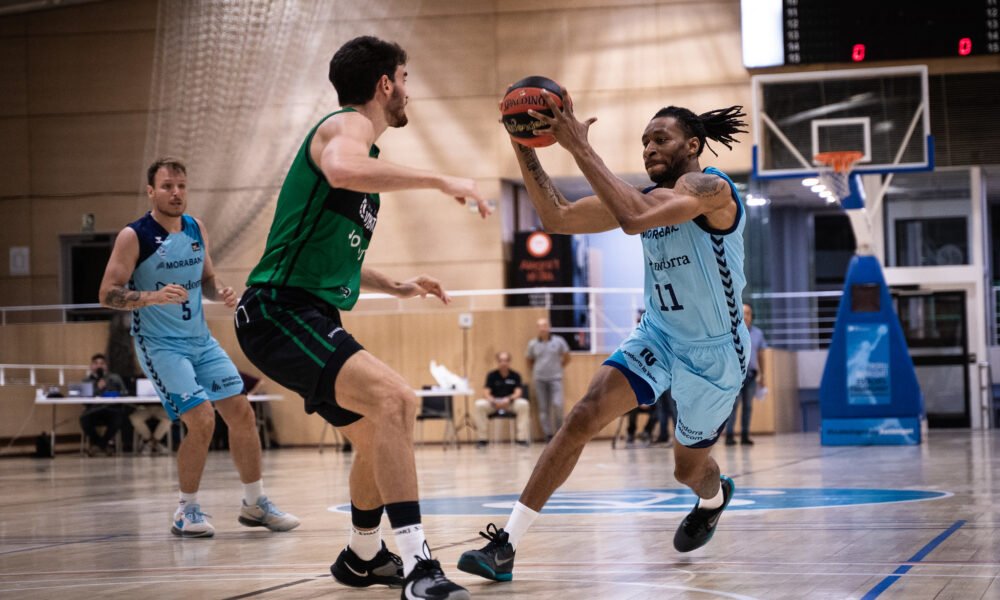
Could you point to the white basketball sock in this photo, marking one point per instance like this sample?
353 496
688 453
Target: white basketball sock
410 541
366 542
713 502
520 520
186 499
252 491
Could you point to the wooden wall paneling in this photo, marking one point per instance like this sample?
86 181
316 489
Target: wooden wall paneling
81 74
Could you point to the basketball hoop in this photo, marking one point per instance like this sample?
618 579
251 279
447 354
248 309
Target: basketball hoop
835 171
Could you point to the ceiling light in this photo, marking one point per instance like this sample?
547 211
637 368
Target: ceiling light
818 188
810 181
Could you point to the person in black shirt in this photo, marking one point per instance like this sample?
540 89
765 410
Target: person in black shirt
503 393
111 416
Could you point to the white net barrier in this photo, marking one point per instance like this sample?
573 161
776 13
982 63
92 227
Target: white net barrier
236 86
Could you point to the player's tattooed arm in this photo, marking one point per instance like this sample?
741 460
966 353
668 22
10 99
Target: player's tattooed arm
702 185
559 215
121 298
540 177
115 291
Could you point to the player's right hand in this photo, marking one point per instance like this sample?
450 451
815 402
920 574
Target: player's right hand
464 190
173 294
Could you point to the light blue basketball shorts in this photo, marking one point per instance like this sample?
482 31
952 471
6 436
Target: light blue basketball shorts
187 371
703 378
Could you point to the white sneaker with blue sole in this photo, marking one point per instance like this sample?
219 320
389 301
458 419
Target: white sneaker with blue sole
189 521
265 514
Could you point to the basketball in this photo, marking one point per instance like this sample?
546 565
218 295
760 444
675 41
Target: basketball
523 96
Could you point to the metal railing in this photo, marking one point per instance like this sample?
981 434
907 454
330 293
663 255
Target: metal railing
791 320
13 374
796 320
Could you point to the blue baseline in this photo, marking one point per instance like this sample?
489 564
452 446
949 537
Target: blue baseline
883 585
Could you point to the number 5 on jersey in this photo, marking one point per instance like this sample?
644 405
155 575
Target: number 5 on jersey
669 288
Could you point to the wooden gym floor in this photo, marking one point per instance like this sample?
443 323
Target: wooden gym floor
98 527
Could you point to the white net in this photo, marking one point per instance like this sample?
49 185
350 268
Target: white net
835 171
236 86
838 183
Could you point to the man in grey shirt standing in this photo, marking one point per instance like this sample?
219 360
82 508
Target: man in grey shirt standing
547 356
755 377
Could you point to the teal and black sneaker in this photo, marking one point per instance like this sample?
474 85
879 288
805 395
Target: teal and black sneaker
495 561
698 526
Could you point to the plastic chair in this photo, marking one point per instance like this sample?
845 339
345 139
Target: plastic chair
497 418
437 408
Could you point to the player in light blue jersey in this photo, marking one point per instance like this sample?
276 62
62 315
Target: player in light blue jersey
159 269
691 339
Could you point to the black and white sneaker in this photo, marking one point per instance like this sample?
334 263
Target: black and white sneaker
427 582
385 568
698 526
495 561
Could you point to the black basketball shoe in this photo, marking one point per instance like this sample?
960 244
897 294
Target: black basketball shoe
698 526
384 569
495 561
427 582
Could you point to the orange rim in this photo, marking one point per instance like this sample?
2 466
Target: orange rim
841 161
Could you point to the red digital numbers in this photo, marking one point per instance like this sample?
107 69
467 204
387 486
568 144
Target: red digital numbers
858 53
964 47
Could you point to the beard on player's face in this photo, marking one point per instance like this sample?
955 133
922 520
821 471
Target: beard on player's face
396 109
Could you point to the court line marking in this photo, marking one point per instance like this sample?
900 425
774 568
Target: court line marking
656 586
525 564
33 584
270 589
883 585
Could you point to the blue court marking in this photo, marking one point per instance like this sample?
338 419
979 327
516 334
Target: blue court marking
670 501
883 585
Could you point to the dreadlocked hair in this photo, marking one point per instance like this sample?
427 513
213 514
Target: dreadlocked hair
719 125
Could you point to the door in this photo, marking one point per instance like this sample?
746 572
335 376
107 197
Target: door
934 324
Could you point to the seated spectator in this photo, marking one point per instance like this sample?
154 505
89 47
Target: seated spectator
111 416
646 435
150 441
503 395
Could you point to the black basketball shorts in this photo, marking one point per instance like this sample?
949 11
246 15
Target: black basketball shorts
298 341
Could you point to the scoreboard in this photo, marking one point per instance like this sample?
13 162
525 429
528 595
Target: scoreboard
802 32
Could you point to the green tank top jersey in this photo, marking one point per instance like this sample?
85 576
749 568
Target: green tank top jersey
320 233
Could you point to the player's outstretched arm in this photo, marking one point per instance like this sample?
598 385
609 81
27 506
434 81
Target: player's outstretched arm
695 194
621 199
417 286
558 215
211 287
114 292
341 146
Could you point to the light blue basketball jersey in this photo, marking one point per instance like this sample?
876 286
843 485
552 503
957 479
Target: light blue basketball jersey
694 278
166 258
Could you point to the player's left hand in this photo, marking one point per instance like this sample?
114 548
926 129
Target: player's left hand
421 286
228 296
563 124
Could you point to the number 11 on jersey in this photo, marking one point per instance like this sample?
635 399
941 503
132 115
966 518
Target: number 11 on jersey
669 288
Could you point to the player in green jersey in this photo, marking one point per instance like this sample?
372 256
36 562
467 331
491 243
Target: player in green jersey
288 321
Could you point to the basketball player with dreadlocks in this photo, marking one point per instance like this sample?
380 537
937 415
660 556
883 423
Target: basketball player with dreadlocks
691 339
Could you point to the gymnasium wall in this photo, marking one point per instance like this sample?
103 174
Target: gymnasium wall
75 95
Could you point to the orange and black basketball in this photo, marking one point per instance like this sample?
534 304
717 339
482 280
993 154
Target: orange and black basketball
523 96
